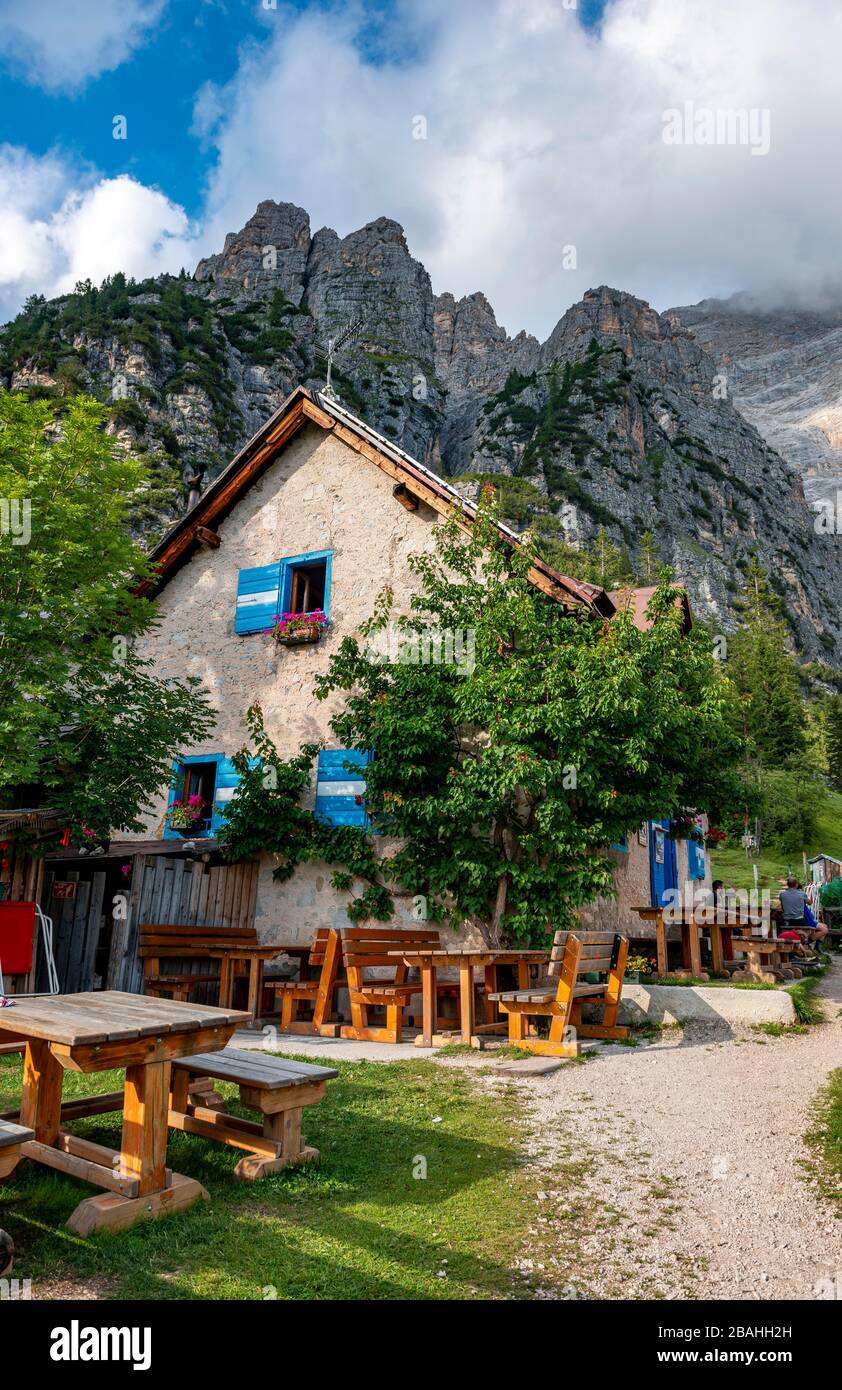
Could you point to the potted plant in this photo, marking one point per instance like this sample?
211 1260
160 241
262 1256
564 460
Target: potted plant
715 839
296 629
188 817
635 967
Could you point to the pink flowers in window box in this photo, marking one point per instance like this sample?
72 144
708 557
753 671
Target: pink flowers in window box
295 629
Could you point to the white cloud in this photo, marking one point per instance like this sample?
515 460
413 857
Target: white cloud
60 44
59 225
541 135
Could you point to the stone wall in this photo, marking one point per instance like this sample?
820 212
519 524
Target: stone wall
318 495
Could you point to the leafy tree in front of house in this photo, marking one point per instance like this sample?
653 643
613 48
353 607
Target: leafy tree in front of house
502 775
85 724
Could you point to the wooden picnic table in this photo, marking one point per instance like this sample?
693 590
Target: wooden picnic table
430 961
690 928
730 932
93 1032
255 957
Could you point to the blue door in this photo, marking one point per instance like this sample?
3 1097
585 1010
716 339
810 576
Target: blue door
663 866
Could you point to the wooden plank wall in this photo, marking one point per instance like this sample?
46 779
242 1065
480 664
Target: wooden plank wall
181 893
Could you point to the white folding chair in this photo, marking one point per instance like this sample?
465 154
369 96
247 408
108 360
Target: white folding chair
14 964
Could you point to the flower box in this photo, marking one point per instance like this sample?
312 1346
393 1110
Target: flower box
300 636
298 629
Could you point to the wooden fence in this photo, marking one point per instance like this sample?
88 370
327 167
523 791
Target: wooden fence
182 893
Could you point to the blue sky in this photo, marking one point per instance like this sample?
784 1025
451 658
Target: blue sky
543 131
192 44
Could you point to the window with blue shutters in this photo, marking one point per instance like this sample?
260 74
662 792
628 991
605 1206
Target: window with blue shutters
299 583
211 776
340 787
622 845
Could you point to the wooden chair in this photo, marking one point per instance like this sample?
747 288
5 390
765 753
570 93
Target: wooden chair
366 947
317 992
561 997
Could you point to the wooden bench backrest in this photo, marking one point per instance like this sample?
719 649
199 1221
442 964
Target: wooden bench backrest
364 946
317 950
600 950
163 940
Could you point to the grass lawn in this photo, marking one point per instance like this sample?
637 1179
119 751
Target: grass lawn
358 1226
734 867
825 1139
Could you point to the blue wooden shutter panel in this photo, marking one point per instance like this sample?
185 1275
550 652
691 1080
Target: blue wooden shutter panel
258 597
340 790
227 781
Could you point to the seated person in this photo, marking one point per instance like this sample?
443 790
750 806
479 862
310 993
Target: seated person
795 909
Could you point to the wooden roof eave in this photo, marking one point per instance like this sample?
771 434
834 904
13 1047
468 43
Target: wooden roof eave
176 547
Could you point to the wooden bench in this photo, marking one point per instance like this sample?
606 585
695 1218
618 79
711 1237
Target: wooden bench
174 943
12 1136
366 947
276 1088
561 997
767 959
318 992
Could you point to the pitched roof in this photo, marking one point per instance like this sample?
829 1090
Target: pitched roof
636 601
304 407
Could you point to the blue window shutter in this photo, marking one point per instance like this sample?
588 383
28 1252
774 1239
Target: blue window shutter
340 790
176 784
622 845
695 858
258 597
227 781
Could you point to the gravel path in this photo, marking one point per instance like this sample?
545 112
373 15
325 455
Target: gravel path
684 1161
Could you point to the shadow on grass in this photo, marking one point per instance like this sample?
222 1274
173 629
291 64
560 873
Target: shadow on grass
363 1224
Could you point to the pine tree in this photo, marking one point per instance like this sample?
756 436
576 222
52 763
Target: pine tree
650 560
764 672
833 740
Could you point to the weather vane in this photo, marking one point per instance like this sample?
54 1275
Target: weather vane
333 346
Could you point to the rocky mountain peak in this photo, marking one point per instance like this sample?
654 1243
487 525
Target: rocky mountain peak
615 421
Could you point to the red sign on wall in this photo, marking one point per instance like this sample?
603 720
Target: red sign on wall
65 889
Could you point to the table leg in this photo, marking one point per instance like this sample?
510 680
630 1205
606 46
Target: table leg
728 943
695 948
144 1147
492 1012
466 1000
226 982
255 988
41 1099
428 996
661 945
716 949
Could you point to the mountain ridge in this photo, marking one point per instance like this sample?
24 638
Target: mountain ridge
614 422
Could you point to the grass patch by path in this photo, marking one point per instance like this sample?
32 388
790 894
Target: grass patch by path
780 1030
825 1140
361 1225
733 865
807 1009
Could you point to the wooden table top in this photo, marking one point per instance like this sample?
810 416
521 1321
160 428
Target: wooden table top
109 1016
451 955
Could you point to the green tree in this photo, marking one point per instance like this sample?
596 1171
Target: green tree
83 720
832 722
501 777
650 560
765 674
